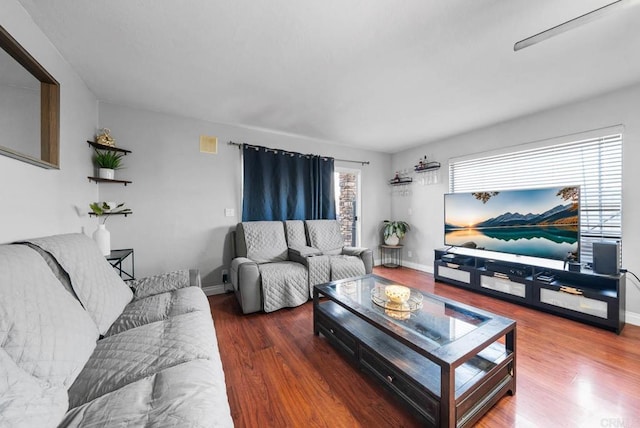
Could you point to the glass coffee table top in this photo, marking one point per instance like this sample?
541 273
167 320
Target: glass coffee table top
440 321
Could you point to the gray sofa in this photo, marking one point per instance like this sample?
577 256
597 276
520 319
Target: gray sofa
80 348
276 264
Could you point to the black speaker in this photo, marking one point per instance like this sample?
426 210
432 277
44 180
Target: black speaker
606 258
574 266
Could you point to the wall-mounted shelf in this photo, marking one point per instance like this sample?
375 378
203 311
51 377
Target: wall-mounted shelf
92 214
429 166
107 180
400 182
108 148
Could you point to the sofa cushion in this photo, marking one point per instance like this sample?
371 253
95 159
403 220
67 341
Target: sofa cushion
296 236
134 354
161 283
100 290
43 329
26 401
192 394
325 235
265 240
159 307
55 267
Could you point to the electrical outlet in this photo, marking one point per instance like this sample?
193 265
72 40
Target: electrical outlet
225 276
410 254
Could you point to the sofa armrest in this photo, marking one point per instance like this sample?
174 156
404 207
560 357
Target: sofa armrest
165 282
364 253
245 278
353 251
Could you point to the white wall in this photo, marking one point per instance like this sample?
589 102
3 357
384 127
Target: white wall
179 195
35 201
426 202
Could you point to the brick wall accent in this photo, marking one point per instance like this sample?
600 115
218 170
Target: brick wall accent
346 204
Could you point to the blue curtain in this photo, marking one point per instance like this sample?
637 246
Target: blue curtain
281 185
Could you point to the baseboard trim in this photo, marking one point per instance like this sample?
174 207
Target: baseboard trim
213 289
632 318
416 266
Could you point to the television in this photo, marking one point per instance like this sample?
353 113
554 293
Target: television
541 222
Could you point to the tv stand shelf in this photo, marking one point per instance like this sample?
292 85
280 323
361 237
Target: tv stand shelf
581 296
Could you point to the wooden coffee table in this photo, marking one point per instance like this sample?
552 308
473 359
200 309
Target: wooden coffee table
447 361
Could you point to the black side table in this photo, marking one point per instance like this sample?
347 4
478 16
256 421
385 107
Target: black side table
117 257
391 255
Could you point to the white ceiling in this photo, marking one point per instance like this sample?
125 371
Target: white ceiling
378 74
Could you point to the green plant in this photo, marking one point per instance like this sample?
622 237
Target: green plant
398 227
108 159
104 209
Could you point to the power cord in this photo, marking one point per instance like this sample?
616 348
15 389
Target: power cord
628 271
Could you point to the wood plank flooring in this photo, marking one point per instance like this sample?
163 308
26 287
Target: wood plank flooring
279 374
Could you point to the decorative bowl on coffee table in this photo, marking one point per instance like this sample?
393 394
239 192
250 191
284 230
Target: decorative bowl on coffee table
396 299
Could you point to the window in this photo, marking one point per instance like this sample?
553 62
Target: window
595 164
347 196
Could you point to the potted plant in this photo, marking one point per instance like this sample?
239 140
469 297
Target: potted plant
394 231
107 162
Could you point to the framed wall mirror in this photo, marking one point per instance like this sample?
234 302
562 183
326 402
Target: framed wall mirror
29 107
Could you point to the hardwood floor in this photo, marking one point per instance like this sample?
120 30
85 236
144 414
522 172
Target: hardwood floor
279 374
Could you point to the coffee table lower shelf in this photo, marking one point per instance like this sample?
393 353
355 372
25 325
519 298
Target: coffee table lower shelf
416 380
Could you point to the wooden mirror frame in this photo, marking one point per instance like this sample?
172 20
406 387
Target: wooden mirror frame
49 106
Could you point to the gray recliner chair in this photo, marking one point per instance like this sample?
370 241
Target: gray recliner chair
265 275
343 261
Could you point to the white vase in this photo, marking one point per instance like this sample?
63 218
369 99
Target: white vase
103 238
392 240
107 173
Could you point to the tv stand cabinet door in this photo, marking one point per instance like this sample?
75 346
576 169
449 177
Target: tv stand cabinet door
506 288
463 276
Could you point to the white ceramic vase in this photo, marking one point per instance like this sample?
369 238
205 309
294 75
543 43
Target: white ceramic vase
103 238
107 173
392 240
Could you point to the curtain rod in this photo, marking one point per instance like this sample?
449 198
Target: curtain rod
363 163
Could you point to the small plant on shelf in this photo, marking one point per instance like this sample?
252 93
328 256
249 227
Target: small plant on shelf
107 162
104 209
394 231
108 159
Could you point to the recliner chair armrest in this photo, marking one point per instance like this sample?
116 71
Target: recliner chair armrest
364 253
354 251
165 282
245 278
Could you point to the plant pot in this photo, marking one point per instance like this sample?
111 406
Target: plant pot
392 240
107 173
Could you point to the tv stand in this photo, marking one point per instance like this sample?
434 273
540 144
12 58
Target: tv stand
582 296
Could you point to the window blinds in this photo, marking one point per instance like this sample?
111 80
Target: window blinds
595 164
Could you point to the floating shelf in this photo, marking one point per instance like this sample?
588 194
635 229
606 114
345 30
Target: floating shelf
429 166
106 180
92 214
400 182
109 148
